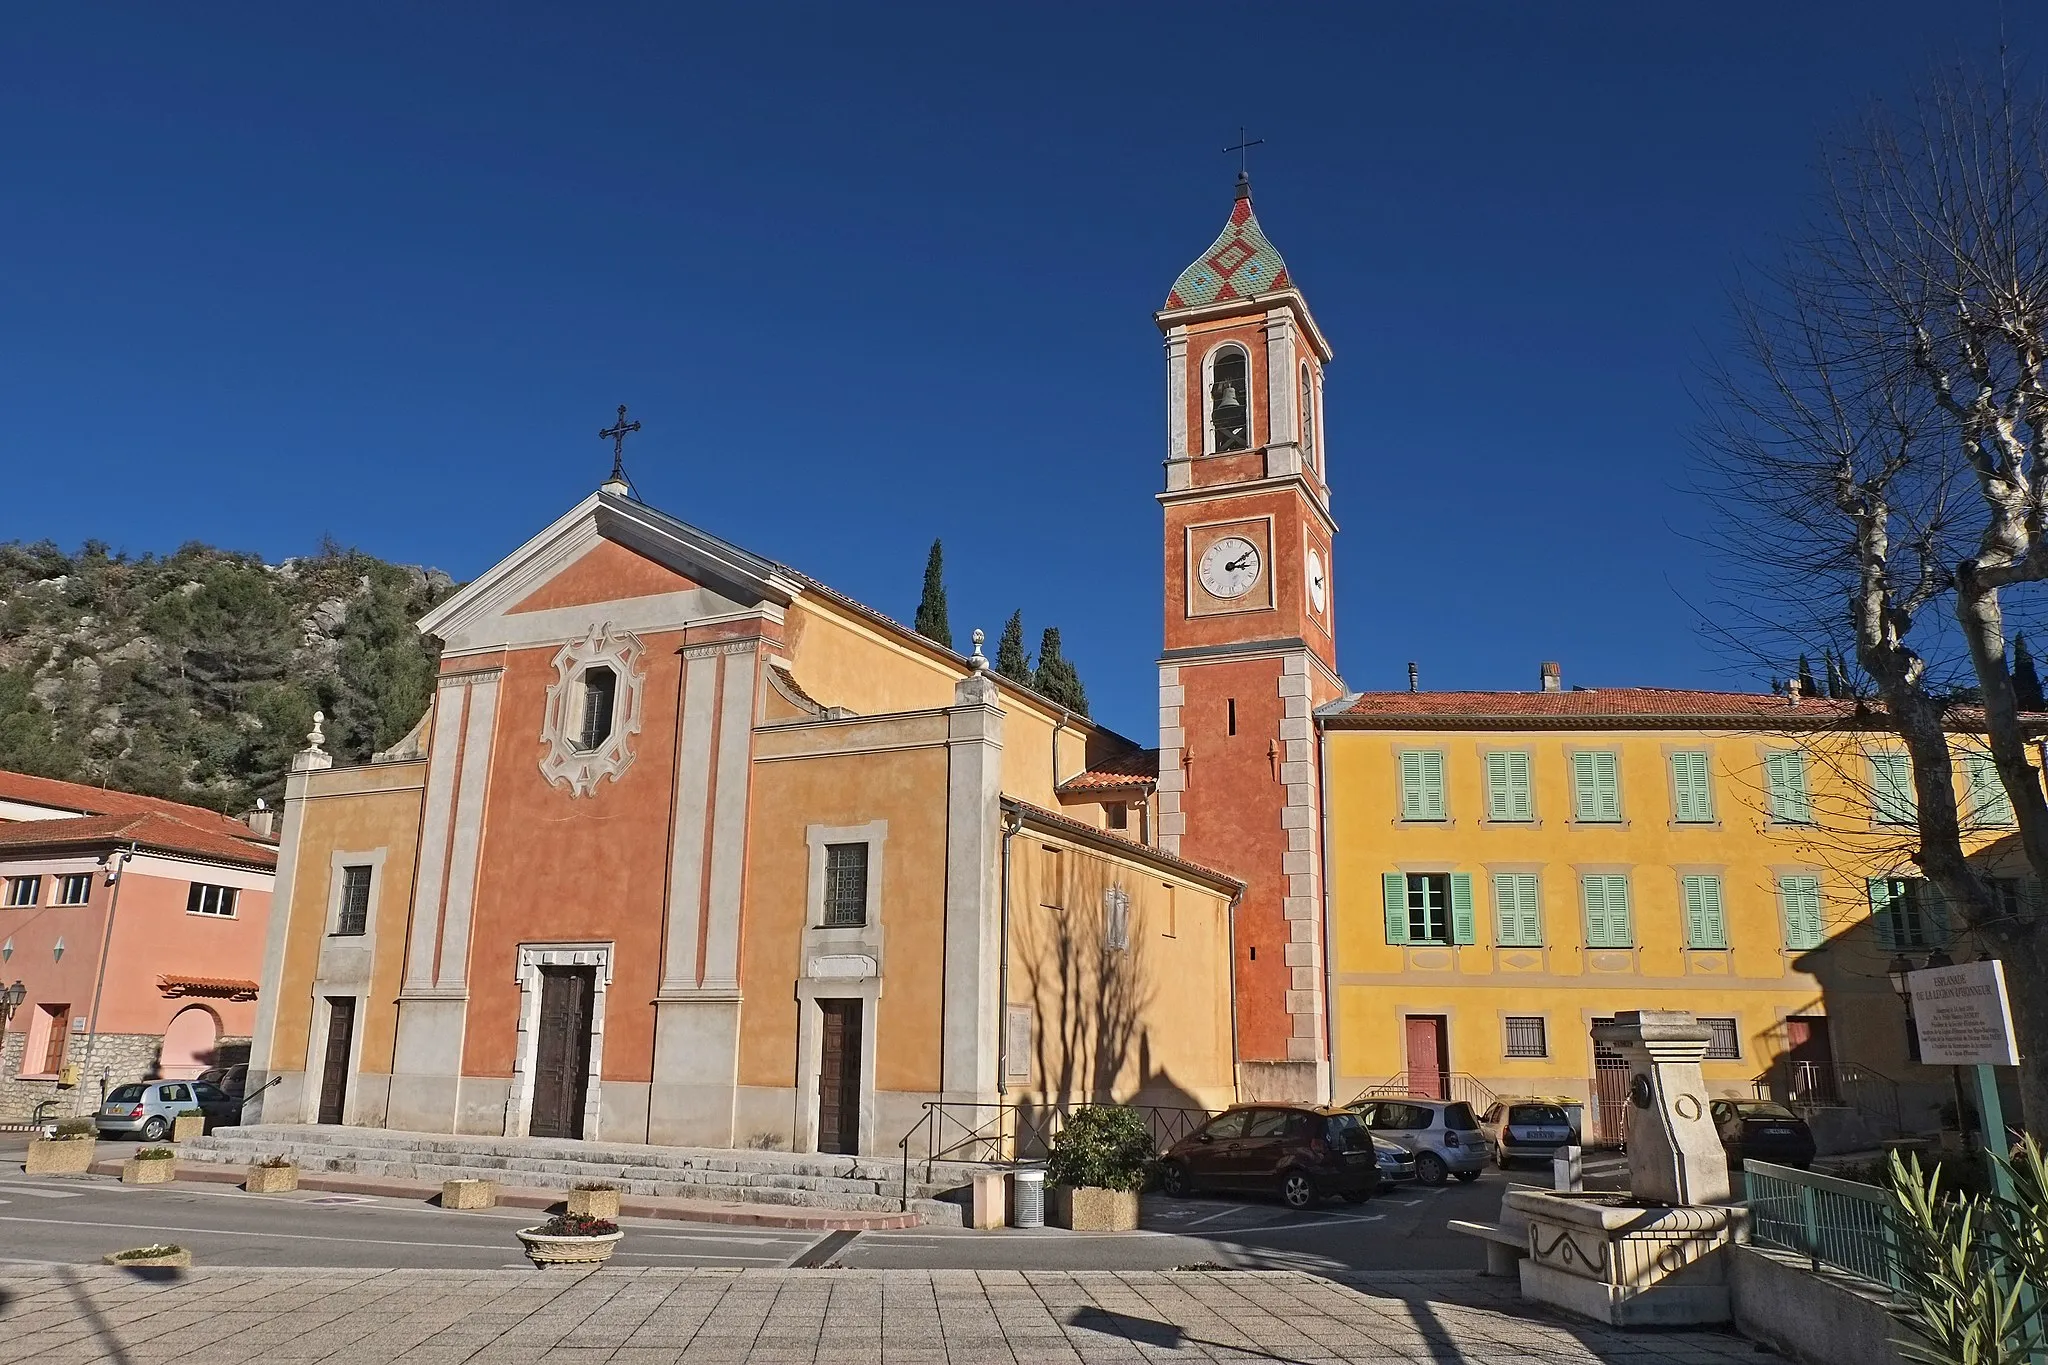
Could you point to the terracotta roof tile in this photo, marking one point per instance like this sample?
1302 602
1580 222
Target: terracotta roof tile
213 987
1110 838
1120 772
159 833
1645 707
85 800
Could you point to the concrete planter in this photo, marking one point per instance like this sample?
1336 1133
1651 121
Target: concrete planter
60 1156
1087 1208
272 1179
184 1129
545 1251
594 1204
469 1194
180 1259
153 1171
1628 1264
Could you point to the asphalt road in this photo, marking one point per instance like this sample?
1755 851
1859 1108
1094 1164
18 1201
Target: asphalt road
80 1219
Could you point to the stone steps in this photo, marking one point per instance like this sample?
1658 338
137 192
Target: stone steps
785 1179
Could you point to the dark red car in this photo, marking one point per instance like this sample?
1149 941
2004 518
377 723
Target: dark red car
1300 1152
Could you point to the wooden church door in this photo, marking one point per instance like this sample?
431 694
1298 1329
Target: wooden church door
561 1063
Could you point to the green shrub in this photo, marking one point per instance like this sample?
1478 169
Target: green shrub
587 1186
77 1128
1971 1266
191 1113
151 1253
1102 1145
576 1225
275 1163
155 1154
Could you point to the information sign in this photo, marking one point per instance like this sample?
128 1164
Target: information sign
1962 1016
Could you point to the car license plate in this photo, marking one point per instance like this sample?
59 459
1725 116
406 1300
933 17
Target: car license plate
114 1109
1776 1132
1542 1135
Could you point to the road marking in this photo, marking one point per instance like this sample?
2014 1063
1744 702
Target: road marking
236 1232
34 1192
1223 1213
822 1250
1409 1203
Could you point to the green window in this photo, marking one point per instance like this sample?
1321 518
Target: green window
1705 924
1800 899
1891 789
1422 784
1692 793
1517 921
1428 907
1608 921
1596 787
1508 794
1785 773
1908 913
1989 805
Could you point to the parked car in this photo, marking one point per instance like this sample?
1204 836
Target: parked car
1761 1129
1397 1163
1301 1152
145 1109
1525 1130
1442 1134
232 1081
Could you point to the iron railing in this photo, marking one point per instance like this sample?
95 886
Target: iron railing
1841 1224
1431 1085
1833 1084
1018 1134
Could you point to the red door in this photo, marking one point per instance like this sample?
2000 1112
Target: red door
1429 1057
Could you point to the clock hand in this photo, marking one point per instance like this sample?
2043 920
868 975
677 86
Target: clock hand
1234 565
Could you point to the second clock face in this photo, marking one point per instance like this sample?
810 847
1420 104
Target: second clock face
1230 567
1318 589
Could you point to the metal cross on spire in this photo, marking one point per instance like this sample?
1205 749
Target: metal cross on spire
1244 165
617 434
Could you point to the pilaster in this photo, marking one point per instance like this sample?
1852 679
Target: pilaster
974 752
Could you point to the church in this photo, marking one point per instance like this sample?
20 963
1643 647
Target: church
692 848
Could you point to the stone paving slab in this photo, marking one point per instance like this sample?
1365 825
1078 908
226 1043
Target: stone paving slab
65 1315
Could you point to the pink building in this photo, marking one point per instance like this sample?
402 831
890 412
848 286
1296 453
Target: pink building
135 928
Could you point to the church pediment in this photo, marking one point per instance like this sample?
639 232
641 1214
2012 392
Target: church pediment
614 559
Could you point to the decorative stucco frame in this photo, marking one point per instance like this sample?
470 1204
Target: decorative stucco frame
564 764
532 957
839 964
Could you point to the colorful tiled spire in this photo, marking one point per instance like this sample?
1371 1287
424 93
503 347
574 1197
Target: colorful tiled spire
1237 265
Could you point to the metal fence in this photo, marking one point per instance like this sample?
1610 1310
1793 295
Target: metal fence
1841 1224
1009 1134
1431 1085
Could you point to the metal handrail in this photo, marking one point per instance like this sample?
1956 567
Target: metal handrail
997 1134
1842 1224
1431 1085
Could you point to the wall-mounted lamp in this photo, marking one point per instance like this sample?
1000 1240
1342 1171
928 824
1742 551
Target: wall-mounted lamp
10 1001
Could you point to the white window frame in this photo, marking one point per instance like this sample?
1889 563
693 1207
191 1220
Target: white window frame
15 886
212 894
66 881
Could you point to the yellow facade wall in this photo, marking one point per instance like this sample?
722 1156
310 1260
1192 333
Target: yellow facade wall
349 810
1757 980
1147 1022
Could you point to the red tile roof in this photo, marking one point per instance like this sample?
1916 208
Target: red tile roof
1132 768
1110 839
155 832
1612 707
213 987
55 794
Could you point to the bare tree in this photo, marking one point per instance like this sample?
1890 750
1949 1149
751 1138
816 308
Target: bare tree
1879 440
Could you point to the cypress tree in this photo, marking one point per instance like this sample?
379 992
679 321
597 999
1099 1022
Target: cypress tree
1838 677
1056 678
1807 686
1011 660
2026 679
931 610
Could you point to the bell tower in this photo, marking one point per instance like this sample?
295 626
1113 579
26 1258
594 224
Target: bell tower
1250 649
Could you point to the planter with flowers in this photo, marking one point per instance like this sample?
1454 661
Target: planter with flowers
162 1255
189 1124
69 1151
276 1175
150 1166
1100 1160
567 1239
594 1199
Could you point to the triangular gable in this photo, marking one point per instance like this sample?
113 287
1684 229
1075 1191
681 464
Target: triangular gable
606 572
673 574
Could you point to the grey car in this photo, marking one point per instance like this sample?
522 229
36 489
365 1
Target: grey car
1442 1134
144 1109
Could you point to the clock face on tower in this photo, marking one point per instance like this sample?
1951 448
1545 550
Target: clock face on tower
1230 567
1318 587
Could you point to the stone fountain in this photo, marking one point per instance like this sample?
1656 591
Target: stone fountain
1653 1256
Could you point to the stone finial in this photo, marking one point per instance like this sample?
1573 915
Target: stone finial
317 736
977 660
315 754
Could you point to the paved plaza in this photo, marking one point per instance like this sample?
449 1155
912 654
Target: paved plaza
65 1315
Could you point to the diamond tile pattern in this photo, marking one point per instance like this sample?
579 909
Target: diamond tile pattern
1238 265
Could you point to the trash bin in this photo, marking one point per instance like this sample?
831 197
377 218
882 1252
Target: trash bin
1027 1199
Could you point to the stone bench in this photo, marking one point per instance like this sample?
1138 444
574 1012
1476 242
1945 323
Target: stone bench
1505 1246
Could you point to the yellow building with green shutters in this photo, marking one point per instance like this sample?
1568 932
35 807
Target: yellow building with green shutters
1507 869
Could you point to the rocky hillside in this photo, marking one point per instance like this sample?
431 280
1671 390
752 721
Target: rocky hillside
195 675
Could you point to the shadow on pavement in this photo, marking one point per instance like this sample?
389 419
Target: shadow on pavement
110 1342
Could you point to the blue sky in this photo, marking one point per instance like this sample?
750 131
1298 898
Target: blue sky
873 275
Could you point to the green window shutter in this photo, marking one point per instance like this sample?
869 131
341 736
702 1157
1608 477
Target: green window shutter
1801 899
1607 786
1582 787
1596 787
1786 772
1411 785
1881 913
1508 794
1395 888
1933 912
1422 784
1891 789
1497 786
1462 930
1608 923
1705 925
1989 805
1692 797
1517 921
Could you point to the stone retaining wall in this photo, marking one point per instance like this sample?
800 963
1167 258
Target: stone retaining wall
122 1057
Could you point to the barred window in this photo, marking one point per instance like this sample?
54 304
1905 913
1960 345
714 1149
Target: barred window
74 888
1725 1044
1526 1036
600 699
354 918
218 901
846 886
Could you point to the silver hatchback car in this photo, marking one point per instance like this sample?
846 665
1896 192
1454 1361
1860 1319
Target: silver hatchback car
1443 1135
144 1109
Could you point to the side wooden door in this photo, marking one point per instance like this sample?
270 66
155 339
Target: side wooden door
341 1032
1429 1062
839 1077
561 1062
